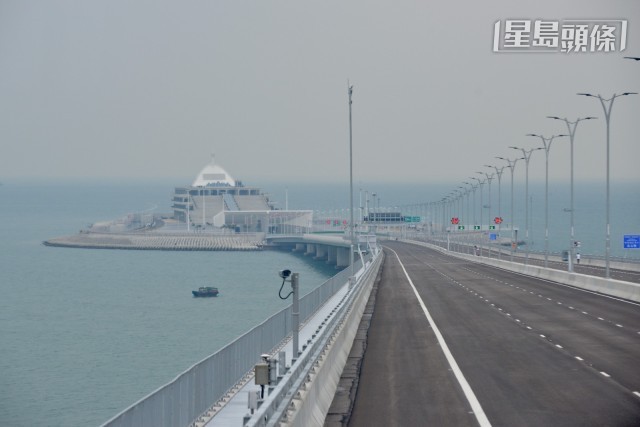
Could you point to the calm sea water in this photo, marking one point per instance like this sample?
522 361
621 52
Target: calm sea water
85 333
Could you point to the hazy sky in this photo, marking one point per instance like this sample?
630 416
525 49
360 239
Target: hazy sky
146 89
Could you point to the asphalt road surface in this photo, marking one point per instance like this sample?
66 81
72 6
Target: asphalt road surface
455 343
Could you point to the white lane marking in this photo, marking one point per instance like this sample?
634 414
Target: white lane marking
584 312
618 325
579 358
605 374
542 336
466 388
600 318
636 393
558 345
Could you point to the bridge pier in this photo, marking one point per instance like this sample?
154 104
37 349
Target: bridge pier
311 249
332 255
342 257
321 252
300 247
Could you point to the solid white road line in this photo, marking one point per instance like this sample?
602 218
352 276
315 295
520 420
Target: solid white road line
466 388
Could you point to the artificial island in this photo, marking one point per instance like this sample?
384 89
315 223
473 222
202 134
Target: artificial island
215 212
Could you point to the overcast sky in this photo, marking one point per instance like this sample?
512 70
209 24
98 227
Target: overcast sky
145 89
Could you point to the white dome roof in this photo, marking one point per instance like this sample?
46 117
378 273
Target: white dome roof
212 175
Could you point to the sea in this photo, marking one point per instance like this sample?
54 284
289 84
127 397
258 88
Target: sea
85 333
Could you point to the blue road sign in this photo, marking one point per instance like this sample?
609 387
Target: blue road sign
631 241
492 236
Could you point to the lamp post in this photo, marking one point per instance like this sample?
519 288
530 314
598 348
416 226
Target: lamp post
499 174
546 142
351 235
607 115
467 222
468 190
473 205
571 127
527 156
512 166
489 179
480 184
462 193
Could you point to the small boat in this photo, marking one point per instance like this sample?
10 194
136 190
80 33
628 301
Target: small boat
207 291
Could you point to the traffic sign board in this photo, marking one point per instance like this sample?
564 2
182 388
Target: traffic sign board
476 227
492 227
461 227
631 241
412 219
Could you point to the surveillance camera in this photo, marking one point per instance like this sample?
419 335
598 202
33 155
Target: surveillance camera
265 357
285 273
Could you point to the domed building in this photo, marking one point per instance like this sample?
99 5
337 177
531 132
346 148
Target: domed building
216 199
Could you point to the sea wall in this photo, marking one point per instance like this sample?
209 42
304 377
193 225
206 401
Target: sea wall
167 242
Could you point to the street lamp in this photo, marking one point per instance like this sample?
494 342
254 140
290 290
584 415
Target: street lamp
462 193
480 184
571 127
527 157
489 179
512 166
607 115
499 173
351 235
473 206
546 142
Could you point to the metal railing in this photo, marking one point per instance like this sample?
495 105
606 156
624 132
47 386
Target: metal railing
191 393
275 407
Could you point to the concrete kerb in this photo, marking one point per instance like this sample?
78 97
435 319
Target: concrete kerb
611 287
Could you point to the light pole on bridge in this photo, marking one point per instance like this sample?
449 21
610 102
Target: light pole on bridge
514 237
499 174
571 127
607 115
547 147
527 156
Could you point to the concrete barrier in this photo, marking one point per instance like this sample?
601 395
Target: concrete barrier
612 287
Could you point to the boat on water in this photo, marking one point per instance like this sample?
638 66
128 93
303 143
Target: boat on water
206 291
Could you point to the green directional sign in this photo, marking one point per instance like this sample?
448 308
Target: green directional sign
412 219
492 227
476 227
461 227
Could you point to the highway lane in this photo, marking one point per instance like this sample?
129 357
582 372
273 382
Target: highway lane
533 352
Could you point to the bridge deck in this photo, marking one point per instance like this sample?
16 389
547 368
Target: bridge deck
533 353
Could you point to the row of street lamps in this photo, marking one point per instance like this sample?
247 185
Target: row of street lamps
459 192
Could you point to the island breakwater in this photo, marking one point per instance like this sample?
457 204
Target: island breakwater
157 241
